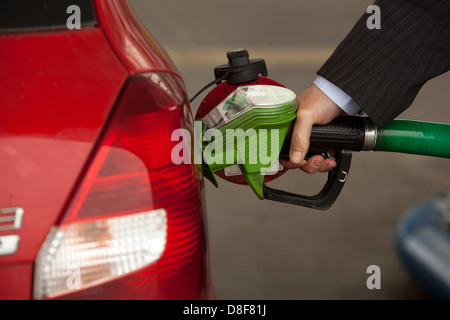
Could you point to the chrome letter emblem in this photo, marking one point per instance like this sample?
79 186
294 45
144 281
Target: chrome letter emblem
11 218
9 244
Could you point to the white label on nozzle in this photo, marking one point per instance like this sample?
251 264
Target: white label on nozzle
232 171
277 166
235 104
245 98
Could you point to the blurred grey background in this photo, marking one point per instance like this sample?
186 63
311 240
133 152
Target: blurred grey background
267 250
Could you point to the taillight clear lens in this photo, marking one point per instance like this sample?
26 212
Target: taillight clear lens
135 220
89 253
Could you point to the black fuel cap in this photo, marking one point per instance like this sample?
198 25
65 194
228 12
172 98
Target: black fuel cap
240 68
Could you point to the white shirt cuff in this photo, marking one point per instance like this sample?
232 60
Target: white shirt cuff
343 100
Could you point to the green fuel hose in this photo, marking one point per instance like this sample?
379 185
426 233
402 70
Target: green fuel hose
361 134
347 134
415 137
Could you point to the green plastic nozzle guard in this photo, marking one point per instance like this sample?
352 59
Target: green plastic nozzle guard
248 128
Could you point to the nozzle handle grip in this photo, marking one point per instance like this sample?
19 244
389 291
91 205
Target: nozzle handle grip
329 193
343 133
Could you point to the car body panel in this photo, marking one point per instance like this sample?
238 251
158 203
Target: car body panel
57 91
16 281
135 46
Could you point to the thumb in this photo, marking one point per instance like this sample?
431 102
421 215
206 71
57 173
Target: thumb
300 137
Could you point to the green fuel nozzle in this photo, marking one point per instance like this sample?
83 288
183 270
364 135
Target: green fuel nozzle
247 123
248 129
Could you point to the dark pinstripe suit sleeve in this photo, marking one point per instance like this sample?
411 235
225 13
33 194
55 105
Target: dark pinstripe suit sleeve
384 69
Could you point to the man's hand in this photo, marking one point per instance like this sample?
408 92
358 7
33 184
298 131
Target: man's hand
314 108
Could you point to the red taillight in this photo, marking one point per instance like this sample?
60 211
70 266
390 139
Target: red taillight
134 228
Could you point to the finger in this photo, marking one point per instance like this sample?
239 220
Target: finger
300 137
328 165
314 164
288 164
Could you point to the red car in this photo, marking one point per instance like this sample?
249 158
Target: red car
91 205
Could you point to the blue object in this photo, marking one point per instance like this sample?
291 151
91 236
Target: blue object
423 243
